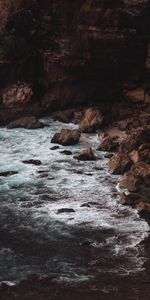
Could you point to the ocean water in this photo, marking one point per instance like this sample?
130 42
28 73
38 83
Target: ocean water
100 238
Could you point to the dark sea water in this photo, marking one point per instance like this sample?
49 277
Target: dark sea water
100 250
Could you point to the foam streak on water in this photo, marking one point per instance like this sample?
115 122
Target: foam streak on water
100 236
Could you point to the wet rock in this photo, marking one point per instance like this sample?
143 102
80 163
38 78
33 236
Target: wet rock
54 148
17 95
137 184
35 162
92 120
67 137
8 173
143 207
65 116
85 205
65 210
85 154
66 152
120 163
109 155
109 144
26 122
85 243
133 140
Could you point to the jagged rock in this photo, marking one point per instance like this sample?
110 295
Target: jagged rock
26 122
109 144
92 120
17 95
133 140
35 162
120 163
67 137
136 183
85 154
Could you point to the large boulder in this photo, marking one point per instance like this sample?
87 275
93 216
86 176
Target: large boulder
92 120
109 144
67 137
133 140
17 95
120 163
135 186
85 154
26 122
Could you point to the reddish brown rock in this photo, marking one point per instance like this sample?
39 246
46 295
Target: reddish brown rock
85 154
120 163
17 95
133 140
26 122
67 137
92 120
109 144
137 183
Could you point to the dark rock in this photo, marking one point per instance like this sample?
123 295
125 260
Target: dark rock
8 173
54 148
66 152
26 122
67 137
35 162
85 154
65 210
85 205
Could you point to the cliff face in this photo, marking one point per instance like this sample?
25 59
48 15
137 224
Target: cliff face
72 52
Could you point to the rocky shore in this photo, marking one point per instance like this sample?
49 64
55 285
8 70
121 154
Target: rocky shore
87 63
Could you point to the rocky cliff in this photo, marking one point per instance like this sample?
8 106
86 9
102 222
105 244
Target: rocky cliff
73 52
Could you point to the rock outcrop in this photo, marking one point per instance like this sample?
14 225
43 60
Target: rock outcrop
67 137
75 52
85 154
26 122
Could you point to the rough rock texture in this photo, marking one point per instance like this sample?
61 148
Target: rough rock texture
85 154
76 51
67 137
92 120
137 182
26 122
120 163
17 95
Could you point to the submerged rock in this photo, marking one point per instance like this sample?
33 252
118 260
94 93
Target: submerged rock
65 210
8 173
54 148
26 122
66 152
85 154
67 137
35 162
92 120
